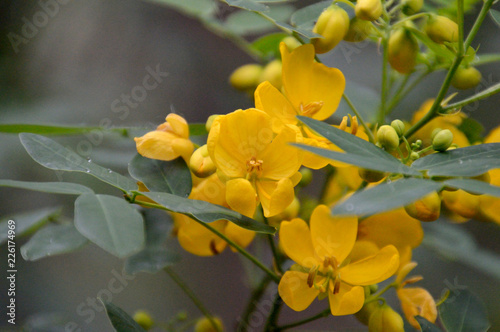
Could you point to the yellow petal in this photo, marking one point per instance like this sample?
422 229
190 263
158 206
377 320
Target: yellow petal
372 269
198 240
241 197
312 160
295 292
306 81
271 101
332 236
417 301
362 249
394 227
347 301
275 196
162 145
295 239
242 237
493 136
178 124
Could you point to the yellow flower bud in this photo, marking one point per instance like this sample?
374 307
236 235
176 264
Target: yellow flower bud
204 325
426 209
144 319
442 140
366 311
332 24
466 78
306 178
441 29
368 10
402 50
411 7
210 120
272 73
201 164
246 77
358 30
291 43
370 175
399 126
388 137
385 319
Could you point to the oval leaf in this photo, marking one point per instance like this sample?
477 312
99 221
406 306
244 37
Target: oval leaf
120 320
469 161
28 221
48 187
306 17
386 196
110 222
426 326
206 212
52 240
172 177
474 186
53 155
247 5
463 311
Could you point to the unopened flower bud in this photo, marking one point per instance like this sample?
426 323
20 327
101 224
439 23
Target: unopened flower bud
291 43
272 73
388 137
370 175
442 140
411 7
414 155
306 178
385 319
210 120
426 209
246 77
204 325
441 29
366 311
434 132
332 24
368 10
466 78
144 319
358 30
399 126
402 49
201 164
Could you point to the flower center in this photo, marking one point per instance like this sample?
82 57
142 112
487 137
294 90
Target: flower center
311 108
354 124
254 165
329 273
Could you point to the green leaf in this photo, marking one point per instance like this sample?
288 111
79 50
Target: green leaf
247 5
197 129
472 129
245 22
154 256
426 326
357 151
474 186
386 196
495 15
306 17
28 222
120 320
463 311
482 59
268 46
17 128
110 222
52 240
469 161
300 30
48 187
173 177
53 155
195 8
206 212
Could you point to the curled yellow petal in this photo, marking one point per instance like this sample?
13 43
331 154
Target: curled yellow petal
295 292
347 301
241 197
417 301
301 251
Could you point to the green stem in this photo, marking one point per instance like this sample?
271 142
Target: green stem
192 296
399 96
360 118
477 24
481 95
254 300
460 23
374 297
330 171
276 255
233 244
383 95
273 316
322 314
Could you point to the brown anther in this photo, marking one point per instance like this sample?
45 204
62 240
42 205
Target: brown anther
411 280
336 286
213 248
311 108
354 125
254 165
312 276
343 124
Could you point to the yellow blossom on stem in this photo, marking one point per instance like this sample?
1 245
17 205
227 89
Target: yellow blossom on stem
169 141
256 165
322 252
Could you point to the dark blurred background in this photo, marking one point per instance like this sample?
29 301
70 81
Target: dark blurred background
72 70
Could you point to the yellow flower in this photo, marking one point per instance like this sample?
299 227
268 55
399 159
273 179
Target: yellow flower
169 141
324 267
310 89
198 240
256 166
